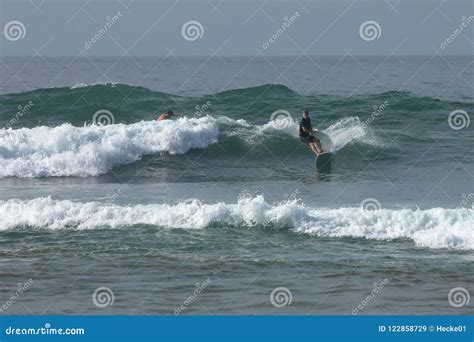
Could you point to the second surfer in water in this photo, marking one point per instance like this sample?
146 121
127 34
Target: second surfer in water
306 137
167 115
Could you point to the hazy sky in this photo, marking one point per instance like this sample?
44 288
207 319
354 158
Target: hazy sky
231 27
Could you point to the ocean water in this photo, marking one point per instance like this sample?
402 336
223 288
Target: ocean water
224 211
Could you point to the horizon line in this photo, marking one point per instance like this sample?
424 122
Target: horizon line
231 56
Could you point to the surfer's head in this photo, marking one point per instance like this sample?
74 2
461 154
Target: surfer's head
306 113
170 113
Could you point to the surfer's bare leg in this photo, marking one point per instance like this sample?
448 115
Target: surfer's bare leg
312 146
317 145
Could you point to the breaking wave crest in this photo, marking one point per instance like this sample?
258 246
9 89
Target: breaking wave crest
68 150
432 228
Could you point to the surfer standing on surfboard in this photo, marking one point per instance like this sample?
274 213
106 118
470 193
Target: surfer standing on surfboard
305 134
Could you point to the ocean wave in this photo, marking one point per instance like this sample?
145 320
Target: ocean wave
351 130
432 228
339 134
85 85
67 150
54 106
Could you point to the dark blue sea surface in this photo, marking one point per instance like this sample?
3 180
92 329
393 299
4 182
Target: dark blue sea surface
225 199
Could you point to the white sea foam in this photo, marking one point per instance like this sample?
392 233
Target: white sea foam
83 85
432 228
231 122
344 131
287 126
67 150
349 130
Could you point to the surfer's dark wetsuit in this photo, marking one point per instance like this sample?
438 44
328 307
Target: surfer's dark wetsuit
305 137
